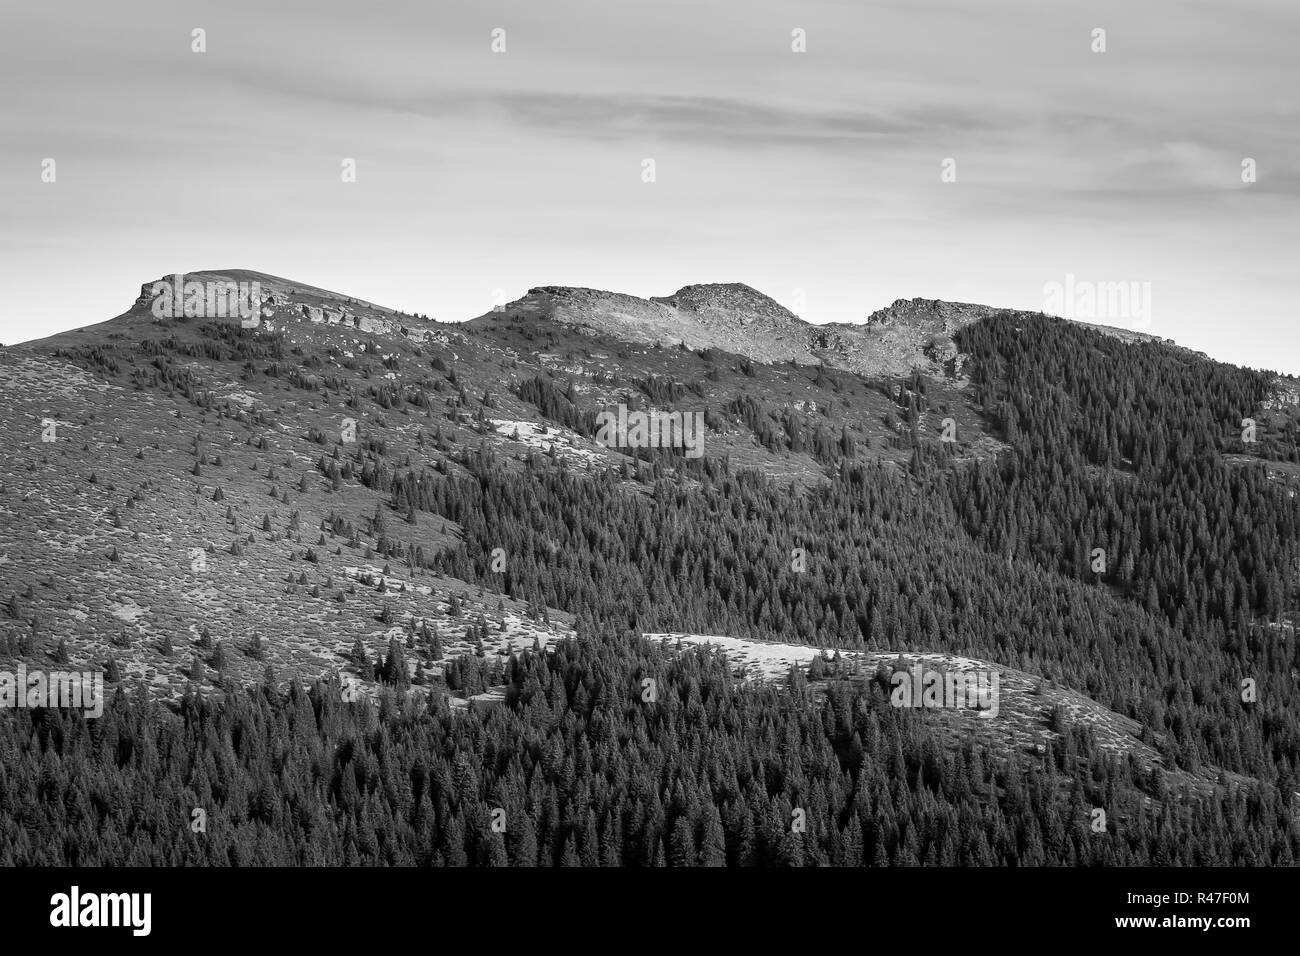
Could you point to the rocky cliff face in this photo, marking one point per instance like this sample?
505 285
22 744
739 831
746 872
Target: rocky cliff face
730 317
286 306
733 317
722 302
910 334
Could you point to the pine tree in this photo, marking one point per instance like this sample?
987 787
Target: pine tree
713 846
681 850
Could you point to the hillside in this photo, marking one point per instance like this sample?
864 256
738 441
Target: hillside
342 492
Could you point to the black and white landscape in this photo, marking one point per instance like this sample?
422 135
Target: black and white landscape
385 549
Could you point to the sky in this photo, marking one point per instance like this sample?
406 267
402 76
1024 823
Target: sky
974 152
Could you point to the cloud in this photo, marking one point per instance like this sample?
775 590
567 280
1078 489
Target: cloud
818 171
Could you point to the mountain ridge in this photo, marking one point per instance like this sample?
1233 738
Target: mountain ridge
732 316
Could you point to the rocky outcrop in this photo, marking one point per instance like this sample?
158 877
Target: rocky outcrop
730 317
734 317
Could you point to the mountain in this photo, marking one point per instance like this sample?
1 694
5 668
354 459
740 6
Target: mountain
328 491
909 335
735 318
